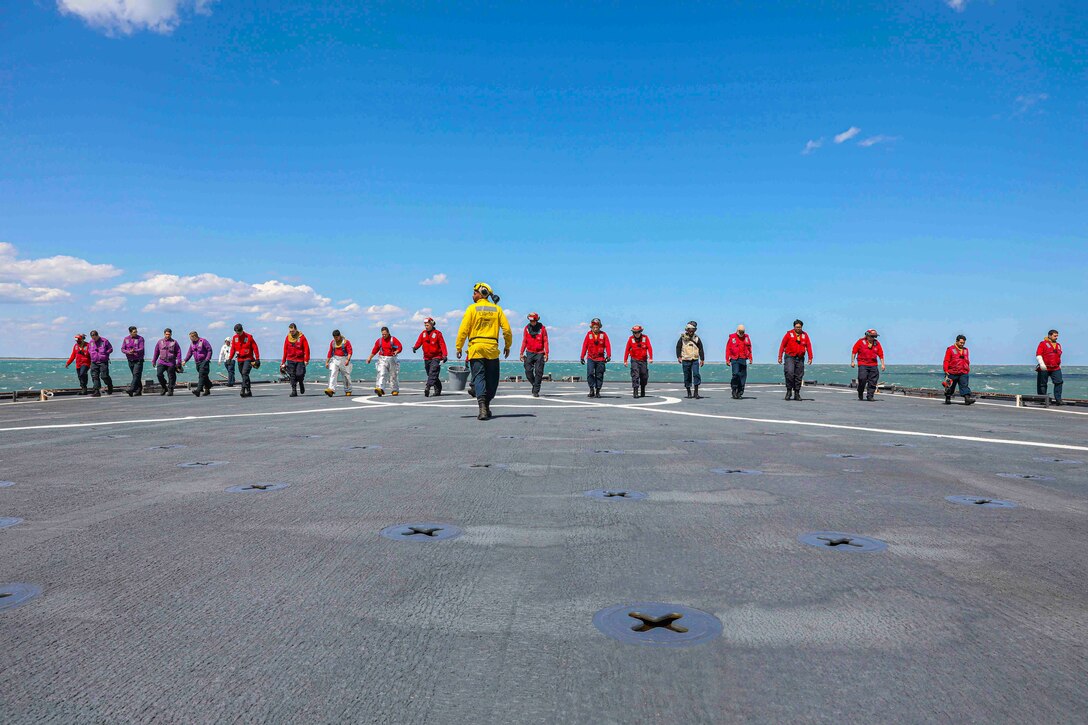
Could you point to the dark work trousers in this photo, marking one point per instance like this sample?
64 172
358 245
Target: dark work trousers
640 373
434 369
485 377
81 373
296 373
740 375
244 368
868 375
203 369
100 373
1045 376
691 373
534 369
136 367
229 365
794 368
595 373
168 376
960 380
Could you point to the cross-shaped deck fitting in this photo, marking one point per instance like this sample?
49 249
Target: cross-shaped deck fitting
666 621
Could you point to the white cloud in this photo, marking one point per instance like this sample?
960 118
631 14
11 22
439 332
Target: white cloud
217 325
812 146
958 5
847 134
271 301
383 311
439 278
110 304
440 320
16 293
129 16
878 139
1026 103
60 270
172 303
162 285
59 321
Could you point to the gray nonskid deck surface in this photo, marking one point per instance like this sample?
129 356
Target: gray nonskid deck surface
167 599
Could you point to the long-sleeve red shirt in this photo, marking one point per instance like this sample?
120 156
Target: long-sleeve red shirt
738 349
596 347
956 361
296 350
341 350
640 349
534 343
244 347
344 349
1052 354
796 345
386 348
433 344
868 356
81 356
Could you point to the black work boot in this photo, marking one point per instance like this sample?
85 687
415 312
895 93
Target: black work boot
642 391
196 392
427 392
968 400
483 409
487 409
948 400
689 392
162 392
697 396
796 393
592 393
789 394
634 392
438 388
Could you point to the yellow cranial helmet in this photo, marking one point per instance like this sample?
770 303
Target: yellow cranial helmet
482 287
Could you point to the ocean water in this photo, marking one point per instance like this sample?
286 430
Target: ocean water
18 374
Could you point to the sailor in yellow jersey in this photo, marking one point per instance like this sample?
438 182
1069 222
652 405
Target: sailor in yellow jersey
480 327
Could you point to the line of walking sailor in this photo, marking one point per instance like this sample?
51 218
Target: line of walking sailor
482 326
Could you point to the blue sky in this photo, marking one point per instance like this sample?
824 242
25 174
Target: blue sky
192 164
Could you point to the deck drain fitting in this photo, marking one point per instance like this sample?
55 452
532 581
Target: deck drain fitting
202 464
371 447
1026 476
616 494
855 456
5 484
841 541
486 466
608 452
422 531
257 487
990 503
308 435
511 438
657 624
6 521
735 471
1047 459
16 594
899 445
171 447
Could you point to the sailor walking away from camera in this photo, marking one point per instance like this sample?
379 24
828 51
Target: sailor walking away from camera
481 326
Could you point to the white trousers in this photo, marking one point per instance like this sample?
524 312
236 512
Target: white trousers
388 373
340 367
